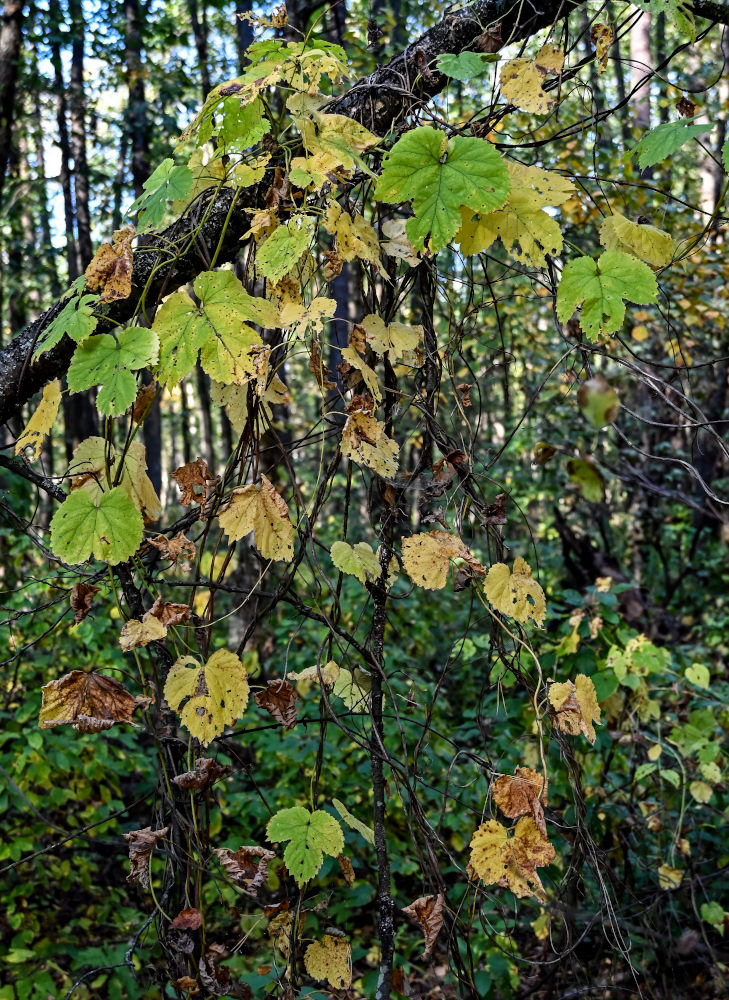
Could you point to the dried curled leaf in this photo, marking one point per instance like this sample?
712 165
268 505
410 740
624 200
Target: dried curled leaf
82 598
521 795
517 594
279 699
189 919
89 702
248 866
428 912
177 547
141 633
110 271
638 239
575 706
141 844
330 960
602 38
512 862
364 439
263 511
427 557
41 422
191 476
208 697
207 771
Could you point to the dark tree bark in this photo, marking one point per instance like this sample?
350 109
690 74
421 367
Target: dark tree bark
244 32
64 142
137 130
200 34
10 38
77 104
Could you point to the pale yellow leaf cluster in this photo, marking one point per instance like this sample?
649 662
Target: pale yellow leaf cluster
138 632
89 471
355 360
526 230
298 317
515 593
427 557
365 441
645 242
336 135
353 236
353 687
330 960
310 675
511 862
210 697
41 421
396 242
575 705
262 510
398 339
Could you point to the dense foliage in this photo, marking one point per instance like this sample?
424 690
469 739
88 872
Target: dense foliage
364 554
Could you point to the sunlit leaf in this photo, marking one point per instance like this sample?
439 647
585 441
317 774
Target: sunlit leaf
208 698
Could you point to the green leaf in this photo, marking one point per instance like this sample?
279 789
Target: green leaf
725 154
284 246
698 674
110 362
107 527
588 480
676 12
353 823
466 65
600 286
713 913
217 327
75 319
311 836
167 183
663 141
243 125
357 560
441 176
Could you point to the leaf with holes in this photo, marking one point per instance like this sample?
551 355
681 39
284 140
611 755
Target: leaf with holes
263 511
210 697
515 593
512 862
427 557
89 702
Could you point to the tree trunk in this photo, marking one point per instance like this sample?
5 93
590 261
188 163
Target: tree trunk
64 142
640 65
10 37
137 106
77 104
244 32
200 33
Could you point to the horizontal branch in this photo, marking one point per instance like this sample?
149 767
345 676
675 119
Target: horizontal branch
172 258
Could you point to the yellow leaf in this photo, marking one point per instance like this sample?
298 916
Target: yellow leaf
645 242
298 317
353 236
310 675
337 135
141 633
521 84
365 441
263 511
602 38
576 706
669 878
207 171
396 242
42 420
369 376
511 861
527 231
353 687
640 333
701 791
550 59
330 960
214 695
517 594
397 338
427 557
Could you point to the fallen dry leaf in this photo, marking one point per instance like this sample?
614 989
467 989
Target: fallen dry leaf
141 844
428 912
279 699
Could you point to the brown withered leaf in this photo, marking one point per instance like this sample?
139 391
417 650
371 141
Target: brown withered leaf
216 979
144 399
399 981
317 368
141 844
279 699
685 107
495 513
195 480
346 868
490 40
169 613
174 548
186 984
110 270
248 866
82 598
465 390
521 795
428 912
189 919
89 702
333 266
207 772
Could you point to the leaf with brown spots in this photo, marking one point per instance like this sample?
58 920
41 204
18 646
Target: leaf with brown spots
189 919
346 868
248 866
141 844
523 794
195 480
143 402
279 699
428 912
82 599
169 613
110 271
89 702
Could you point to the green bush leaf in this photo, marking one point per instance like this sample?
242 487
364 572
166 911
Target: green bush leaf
600 286
167 183
284 246
440 176
110 362
75 319
466 65
311 836
663 141
107 527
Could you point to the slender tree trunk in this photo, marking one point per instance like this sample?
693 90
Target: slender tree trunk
640 65
43 213
200 33
77 104
116 212
244 32
10 38
137 108
64 142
